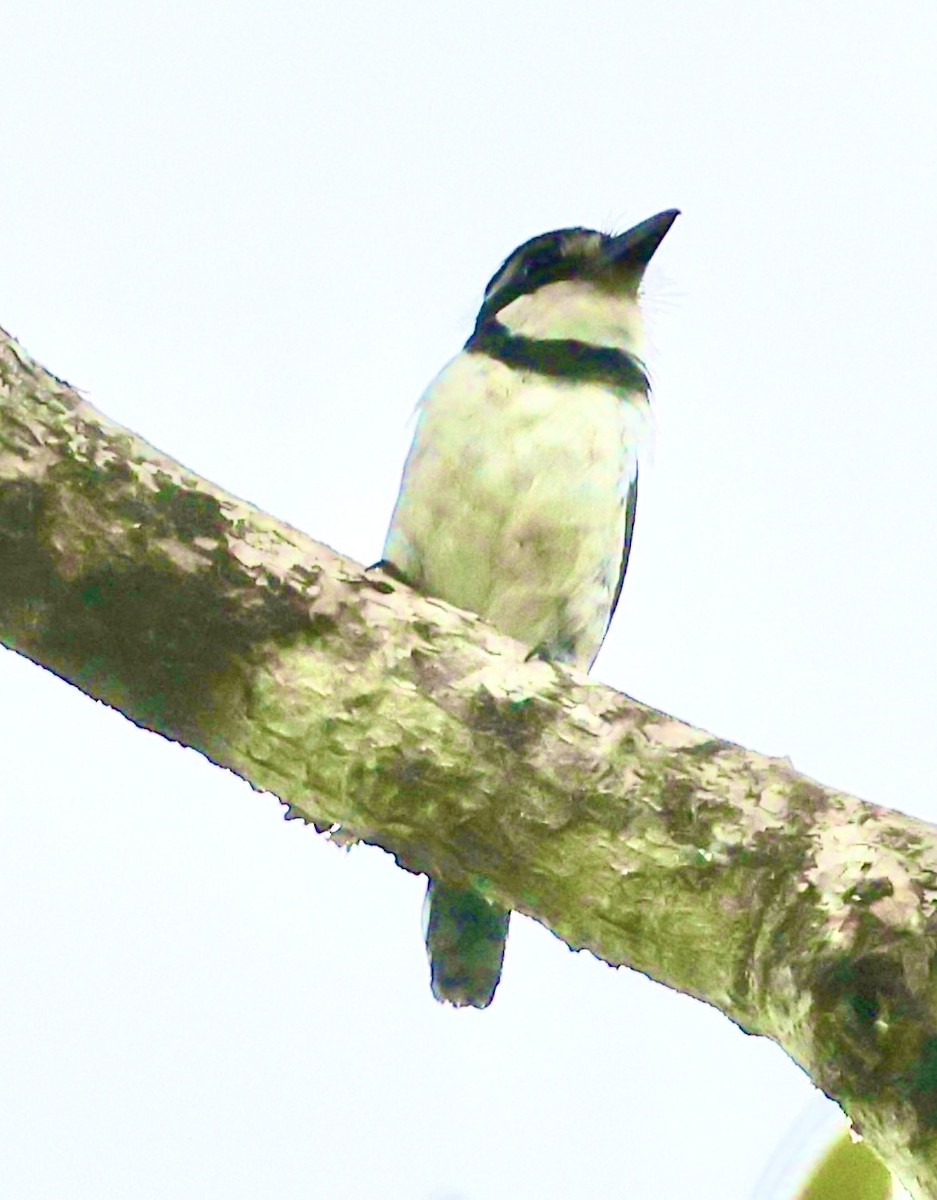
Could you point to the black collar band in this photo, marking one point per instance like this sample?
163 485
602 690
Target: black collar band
561 358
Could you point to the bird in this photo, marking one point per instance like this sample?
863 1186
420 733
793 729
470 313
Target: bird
518 495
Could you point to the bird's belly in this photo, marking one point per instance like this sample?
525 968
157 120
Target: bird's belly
513 504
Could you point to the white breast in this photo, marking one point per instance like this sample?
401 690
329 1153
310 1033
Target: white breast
512 502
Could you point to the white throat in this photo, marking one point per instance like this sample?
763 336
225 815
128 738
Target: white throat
578 309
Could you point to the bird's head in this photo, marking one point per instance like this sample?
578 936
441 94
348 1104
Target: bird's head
576 283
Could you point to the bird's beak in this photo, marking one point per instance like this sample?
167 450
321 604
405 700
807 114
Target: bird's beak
635 248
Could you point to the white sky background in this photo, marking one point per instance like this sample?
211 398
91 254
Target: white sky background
253 234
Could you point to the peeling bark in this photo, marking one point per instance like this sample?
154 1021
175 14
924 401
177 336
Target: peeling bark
802 913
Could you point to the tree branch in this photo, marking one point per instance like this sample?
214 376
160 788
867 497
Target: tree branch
802 913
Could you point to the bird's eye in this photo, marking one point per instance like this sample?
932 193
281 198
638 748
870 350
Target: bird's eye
536 264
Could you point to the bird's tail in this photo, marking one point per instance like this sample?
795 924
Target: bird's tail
465 936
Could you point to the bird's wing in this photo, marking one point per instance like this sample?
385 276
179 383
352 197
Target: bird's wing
631 505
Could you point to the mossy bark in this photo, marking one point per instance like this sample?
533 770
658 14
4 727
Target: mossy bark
802 913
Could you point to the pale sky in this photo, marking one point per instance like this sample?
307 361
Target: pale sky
253 234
